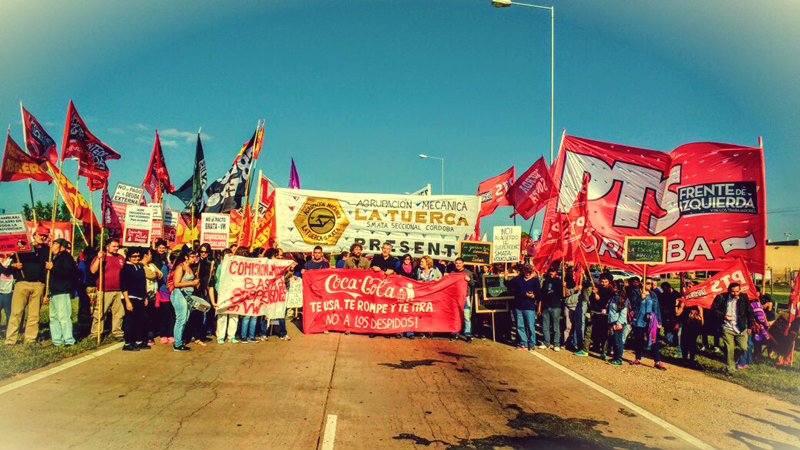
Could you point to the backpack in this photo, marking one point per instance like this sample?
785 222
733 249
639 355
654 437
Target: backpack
171 281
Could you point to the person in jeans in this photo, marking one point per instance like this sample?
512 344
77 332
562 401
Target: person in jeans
646 322
553 293
112 263
526 290
227 322
29 272
617 320
184 284
133 285
63 272
580 333
6 286
735 315
466 327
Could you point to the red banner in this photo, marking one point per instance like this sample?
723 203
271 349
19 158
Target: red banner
156 179
533 189
91 152
39 143
494 192
703 294
707 199
62 230
364 301
18 165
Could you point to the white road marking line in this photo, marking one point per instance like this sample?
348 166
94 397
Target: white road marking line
330 433
25 381
630 405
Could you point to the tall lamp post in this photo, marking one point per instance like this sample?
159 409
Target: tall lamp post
440 159
507 3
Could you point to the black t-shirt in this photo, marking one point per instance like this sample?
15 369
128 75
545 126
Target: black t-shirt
310 265
384 263
552 292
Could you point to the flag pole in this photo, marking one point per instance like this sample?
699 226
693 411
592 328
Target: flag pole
91 224
247 183
52 221
25 145
256 201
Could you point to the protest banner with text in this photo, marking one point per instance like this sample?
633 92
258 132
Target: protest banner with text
363 301
138 225
703 294
127 194
253 286
507 242
214 230
14 234
414 224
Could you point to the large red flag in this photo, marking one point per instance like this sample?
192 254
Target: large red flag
533 189
703 294
706 199
18 165
494 192
40 145
90 151
156 179
111 220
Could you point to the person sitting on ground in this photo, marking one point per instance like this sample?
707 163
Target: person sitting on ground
735 317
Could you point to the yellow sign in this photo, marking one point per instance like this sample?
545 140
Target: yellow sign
321 221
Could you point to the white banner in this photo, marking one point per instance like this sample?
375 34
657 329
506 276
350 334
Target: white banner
424 191
214 230
418 225
138 225
294 297
253 286
127 194
506 246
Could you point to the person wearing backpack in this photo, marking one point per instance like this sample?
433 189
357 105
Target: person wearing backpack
63 271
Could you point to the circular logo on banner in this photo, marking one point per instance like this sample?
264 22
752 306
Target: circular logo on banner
321 221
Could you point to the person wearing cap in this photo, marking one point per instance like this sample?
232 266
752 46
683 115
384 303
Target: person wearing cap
30 275
113 262
525 287
63 272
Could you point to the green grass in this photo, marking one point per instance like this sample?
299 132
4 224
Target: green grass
20 358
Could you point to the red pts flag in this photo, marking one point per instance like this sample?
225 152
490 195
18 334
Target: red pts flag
576 224
39 143
18 165
532 190
494 192
706 199
703 294
156 179
368 302
91 152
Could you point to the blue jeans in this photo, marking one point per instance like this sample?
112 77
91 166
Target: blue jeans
466 328
249 328
551 318
618 343
5 304
747 357
265 323
526 327
577 319
61 319
178 301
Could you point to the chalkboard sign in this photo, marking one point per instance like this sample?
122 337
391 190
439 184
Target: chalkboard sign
645 250
475 252
494 296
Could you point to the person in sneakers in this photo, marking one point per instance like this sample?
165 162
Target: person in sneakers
617 320
526 290
466 328
733 311
133 286
112 263
63 273
227 322
29 275
596 336
185 282
554 290
646 322
582 334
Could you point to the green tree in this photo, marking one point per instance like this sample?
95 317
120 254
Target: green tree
44 212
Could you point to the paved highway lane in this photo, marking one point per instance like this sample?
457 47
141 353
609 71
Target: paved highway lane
323 392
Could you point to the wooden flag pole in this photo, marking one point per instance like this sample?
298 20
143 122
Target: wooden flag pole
33 204
100 295
91 224
256 203
246 203
25 146
53 222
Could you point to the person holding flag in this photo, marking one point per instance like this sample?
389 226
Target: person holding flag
29 272
63 270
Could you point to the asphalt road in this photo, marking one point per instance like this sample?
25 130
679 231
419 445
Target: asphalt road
322 392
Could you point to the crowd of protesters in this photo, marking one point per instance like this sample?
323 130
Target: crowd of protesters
152 293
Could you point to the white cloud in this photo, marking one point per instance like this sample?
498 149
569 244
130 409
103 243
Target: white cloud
116 131
188 136
141 126
169 143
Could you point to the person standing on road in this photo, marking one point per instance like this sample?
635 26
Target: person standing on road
733 311
646 322
112 263
596 334
184 284
317 261
385 262
553 293
6 286
63 274
406 267
29 272
581 334
466 327
617 321
691 324
526 290
228 321
133 285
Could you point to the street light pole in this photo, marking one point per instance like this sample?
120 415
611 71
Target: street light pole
507 3
423 156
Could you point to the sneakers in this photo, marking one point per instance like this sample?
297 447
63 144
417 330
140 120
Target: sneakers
220 341
616 362
635 362
468 339
541 346
286 338
171 339
234 341
603 356
142 346
556 349
245 341
130 348
164 340
742 366
660 366
182 348
581 353
519 347
150 342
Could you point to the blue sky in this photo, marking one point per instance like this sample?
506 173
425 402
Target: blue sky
354 90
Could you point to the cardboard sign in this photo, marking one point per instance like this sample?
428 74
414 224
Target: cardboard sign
253 286
13 234
645 250
475 252
138 225
127 194
506 244
214 230
494 296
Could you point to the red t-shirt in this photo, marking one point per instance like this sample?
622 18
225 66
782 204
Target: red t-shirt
111 268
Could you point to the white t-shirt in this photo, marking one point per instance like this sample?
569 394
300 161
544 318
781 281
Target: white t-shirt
6 281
